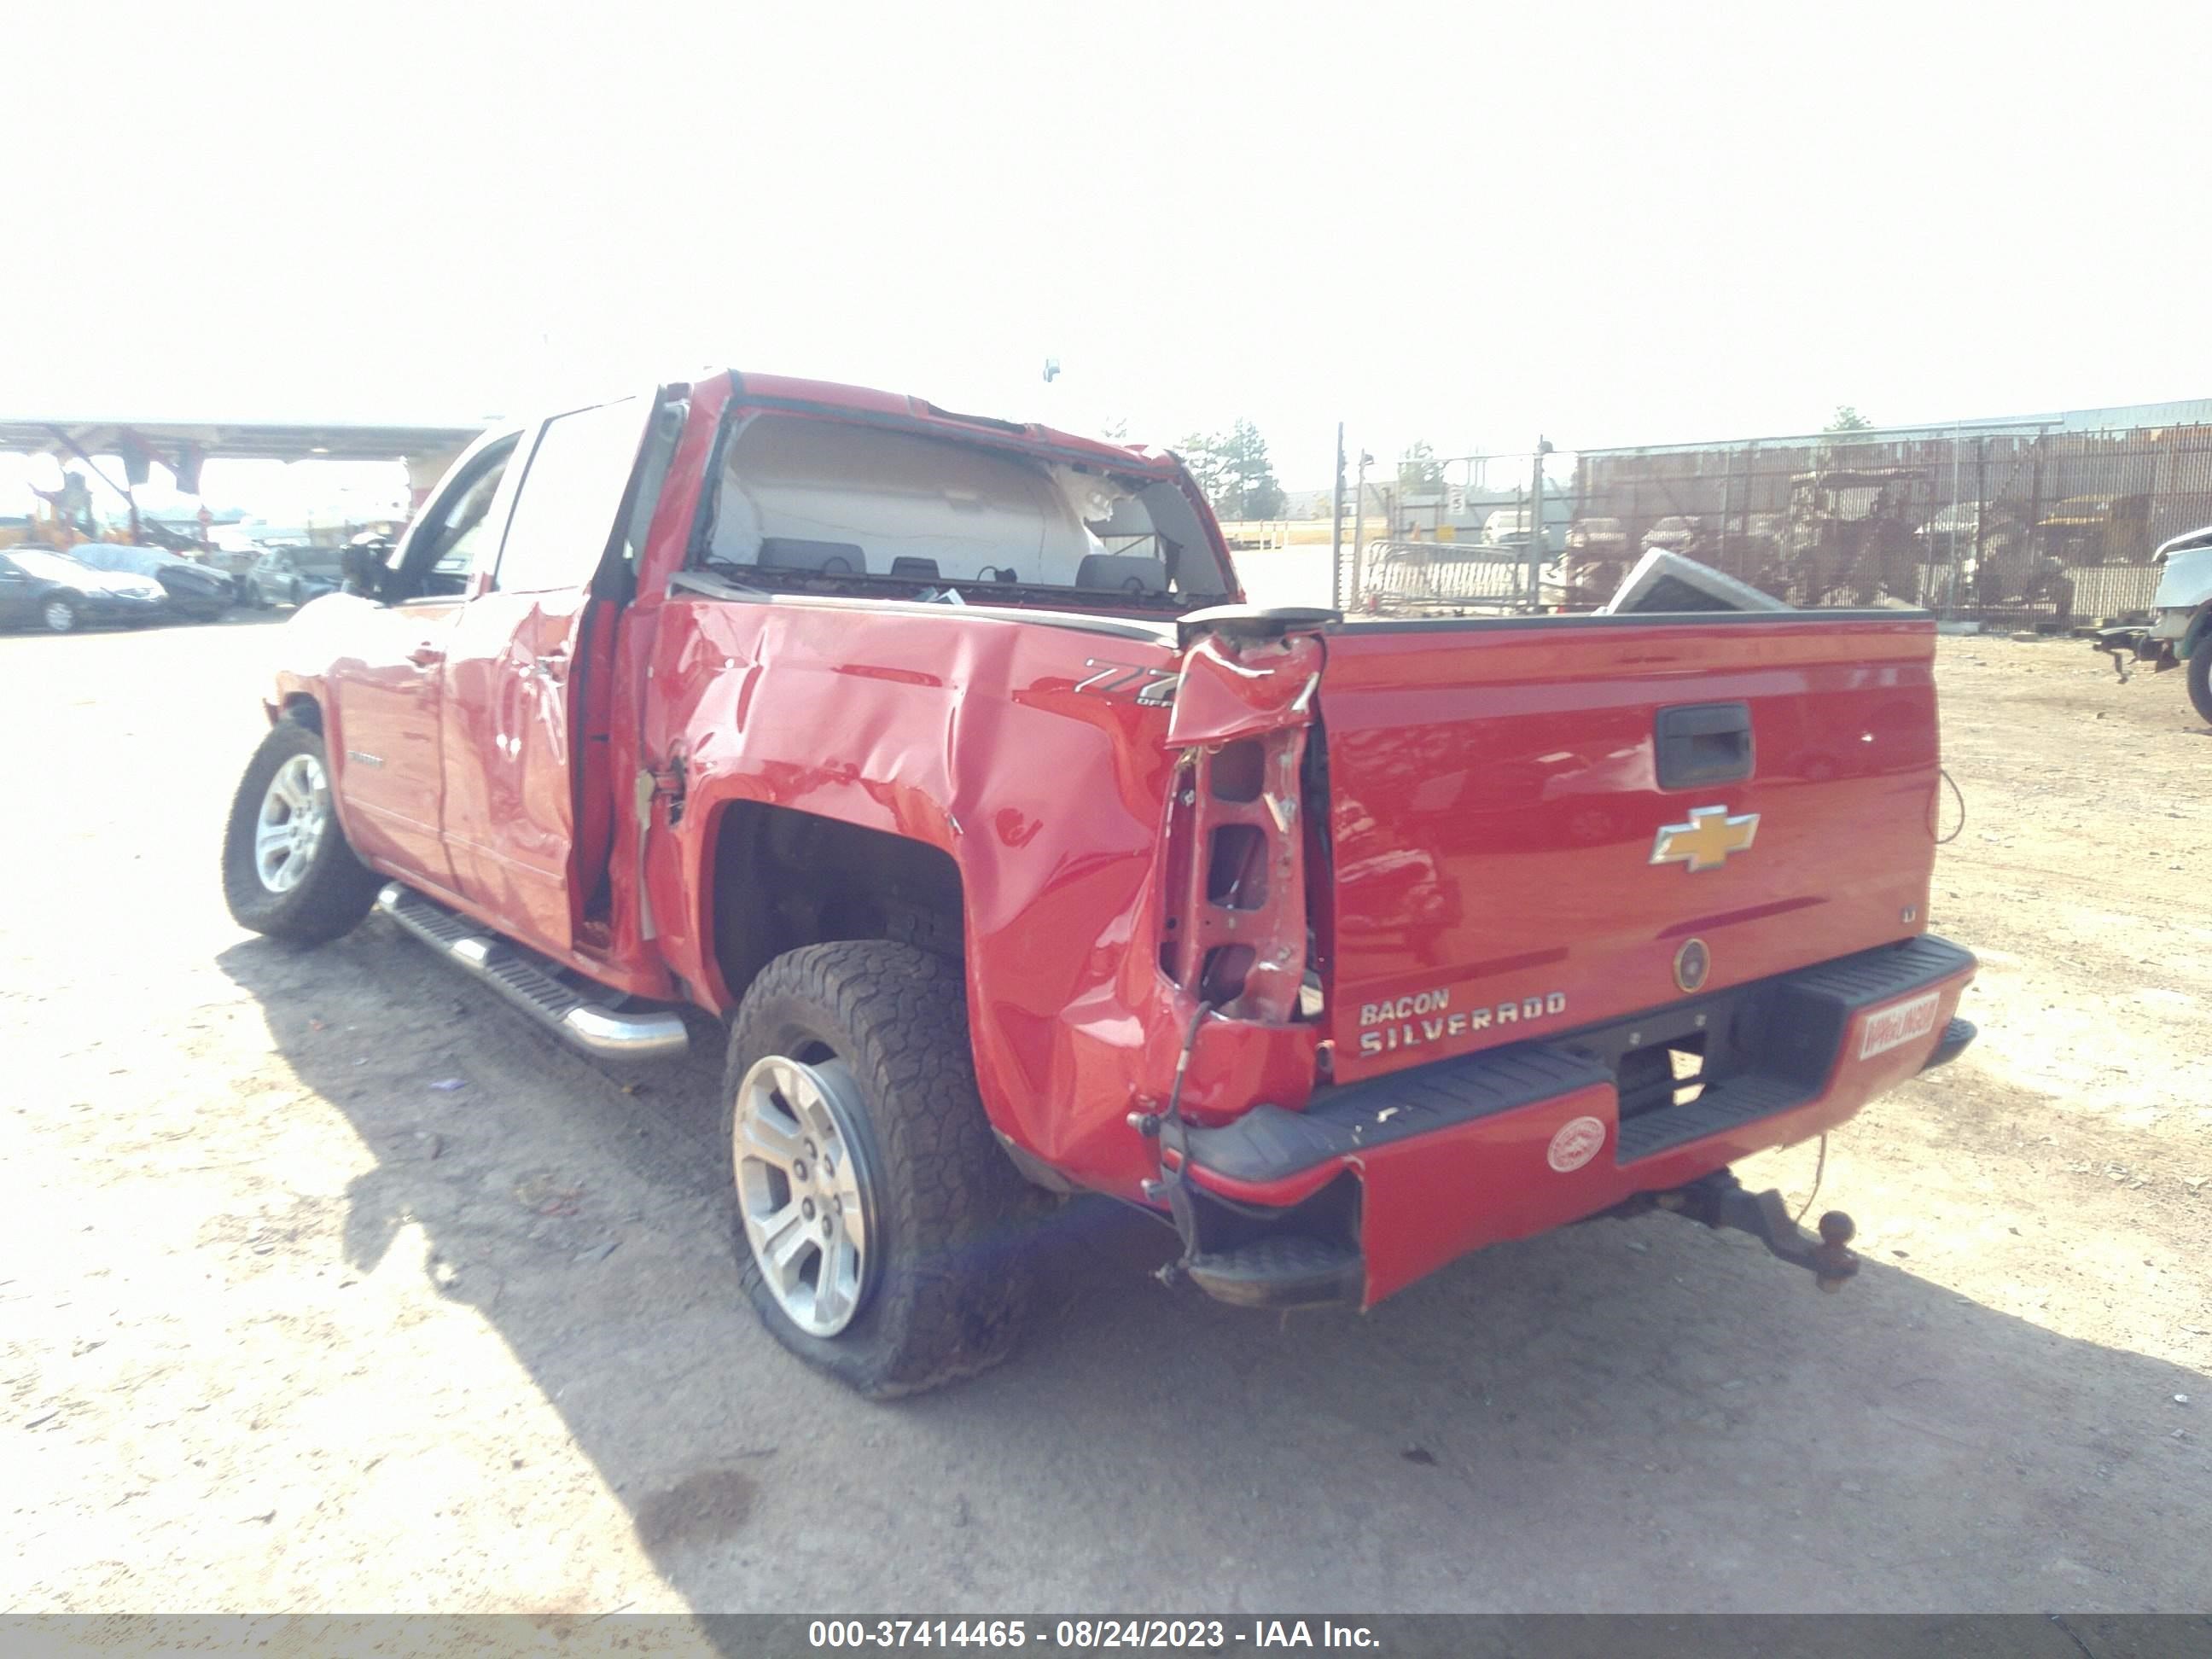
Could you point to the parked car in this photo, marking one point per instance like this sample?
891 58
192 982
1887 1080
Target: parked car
2179 632
1343 950
1508 527
1598 538
1676 533
234 553
195 592
41 588
293 576
1597 557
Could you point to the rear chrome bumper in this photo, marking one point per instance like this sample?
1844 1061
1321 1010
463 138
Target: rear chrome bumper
1515 1140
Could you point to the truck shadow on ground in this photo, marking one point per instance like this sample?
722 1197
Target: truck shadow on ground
1623 1415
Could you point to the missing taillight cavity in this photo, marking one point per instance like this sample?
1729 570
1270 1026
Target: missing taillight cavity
1176 872
1233 928
1222 979
1238 770
1236 867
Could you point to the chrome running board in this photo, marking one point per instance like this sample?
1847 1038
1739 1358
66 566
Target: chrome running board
593 1027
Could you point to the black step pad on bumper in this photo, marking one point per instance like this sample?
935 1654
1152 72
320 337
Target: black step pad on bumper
1283 1270
1269 1143
1771 1045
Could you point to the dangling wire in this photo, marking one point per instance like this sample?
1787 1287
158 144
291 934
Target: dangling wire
1961 800
1819 1169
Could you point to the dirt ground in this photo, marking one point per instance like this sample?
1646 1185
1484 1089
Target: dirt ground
328 1283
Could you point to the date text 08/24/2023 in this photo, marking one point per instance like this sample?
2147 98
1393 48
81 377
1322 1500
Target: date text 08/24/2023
1085 1634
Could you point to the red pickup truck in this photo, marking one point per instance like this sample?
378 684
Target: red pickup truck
939 757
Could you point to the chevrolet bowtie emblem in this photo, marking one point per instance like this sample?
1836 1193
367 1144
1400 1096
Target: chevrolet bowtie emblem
1706 841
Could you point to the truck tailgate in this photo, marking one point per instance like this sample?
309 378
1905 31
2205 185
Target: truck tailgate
1516 853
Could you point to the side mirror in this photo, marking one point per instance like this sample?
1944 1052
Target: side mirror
363 564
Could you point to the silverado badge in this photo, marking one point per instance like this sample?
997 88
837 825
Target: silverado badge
1706 841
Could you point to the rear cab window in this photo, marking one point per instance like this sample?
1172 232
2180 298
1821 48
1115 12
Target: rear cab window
809 504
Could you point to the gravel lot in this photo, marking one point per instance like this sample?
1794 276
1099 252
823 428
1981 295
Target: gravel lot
331 1283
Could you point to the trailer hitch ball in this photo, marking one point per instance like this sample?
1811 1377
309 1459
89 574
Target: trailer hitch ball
1719 1200
1832 1261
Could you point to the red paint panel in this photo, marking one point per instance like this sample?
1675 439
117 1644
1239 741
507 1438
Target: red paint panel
381 689
1433 1199
1494 803
510 820
968 734
1430 1200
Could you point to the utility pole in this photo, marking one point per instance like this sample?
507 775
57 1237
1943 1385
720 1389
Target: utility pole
1358 529
1537 546
1336 529
1951 593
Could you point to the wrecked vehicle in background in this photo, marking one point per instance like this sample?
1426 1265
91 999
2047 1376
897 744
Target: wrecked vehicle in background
2179 632
194 593
1598 555
1850 536
2094 528
1676 533
938 757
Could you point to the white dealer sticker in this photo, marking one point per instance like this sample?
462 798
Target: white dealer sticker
1576 1144
1893 1027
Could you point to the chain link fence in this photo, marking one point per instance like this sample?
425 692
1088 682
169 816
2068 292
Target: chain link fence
1997 524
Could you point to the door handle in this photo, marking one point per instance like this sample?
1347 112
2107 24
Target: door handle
1704 743
426 655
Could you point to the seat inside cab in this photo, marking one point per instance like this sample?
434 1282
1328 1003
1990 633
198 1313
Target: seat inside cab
832 497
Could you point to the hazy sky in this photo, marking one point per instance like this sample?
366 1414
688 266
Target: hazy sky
1467 223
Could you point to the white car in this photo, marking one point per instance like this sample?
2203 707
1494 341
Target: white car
2182 622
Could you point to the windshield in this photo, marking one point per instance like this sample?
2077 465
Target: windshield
48 566
832 505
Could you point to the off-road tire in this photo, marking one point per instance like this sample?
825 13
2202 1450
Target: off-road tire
2199 678
953 1218
337 889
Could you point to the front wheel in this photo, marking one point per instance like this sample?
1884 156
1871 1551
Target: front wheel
880 1228
287 871
59 617
2199 678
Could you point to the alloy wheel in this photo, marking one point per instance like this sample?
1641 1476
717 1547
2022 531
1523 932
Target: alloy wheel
803 1188
295 813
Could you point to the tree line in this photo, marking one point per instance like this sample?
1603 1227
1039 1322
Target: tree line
1233 469
1239 481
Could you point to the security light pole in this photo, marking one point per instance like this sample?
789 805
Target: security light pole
1336 528
1358 529
1538 545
